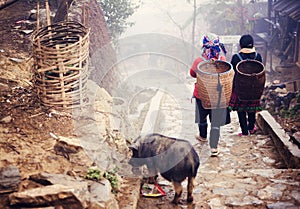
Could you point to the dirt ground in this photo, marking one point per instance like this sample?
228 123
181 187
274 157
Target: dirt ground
27 121
289 75
25 124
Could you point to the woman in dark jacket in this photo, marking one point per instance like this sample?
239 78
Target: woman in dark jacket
246 110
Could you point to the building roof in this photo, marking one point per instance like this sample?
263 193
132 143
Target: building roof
290 8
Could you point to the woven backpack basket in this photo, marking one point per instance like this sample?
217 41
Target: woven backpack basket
214 79
250 80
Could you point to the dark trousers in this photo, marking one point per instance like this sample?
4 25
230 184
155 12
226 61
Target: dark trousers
247 121
201 118
217 118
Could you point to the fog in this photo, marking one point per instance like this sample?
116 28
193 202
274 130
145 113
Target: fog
174 17
165 17
157 52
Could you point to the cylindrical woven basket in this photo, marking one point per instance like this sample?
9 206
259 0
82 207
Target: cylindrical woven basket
60 53
250 80
214 79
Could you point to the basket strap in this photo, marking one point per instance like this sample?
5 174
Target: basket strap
239 56
219 89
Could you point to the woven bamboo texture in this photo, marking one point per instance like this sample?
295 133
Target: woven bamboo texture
250 80
60 53
214 79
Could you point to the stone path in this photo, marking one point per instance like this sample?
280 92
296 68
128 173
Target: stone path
246 174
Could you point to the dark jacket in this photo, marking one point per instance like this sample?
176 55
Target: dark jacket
235 59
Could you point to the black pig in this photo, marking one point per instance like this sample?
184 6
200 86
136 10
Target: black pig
175 159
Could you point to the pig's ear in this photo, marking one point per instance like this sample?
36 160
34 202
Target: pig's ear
133 147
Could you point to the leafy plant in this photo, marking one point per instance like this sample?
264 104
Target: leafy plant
290 113
116 13
284 113
233 17
111 176
94 174
298 96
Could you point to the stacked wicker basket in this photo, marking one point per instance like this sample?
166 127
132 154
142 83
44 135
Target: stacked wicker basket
214 79
60 53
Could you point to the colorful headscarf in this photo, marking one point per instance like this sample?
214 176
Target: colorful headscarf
212 46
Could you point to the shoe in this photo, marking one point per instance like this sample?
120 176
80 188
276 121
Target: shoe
200 138
214 152
242 135
253 130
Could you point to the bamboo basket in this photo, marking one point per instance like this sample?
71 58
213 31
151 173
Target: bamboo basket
60 53
214 81
250 80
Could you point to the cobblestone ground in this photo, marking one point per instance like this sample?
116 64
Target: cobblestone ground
246 174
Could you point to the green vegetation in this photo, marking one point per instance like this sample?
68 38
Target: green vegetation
111 176
95 174
116 13
233 17
294 111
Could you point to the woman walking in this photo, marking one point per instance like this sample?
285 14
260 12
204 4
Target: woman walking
211 50
246 110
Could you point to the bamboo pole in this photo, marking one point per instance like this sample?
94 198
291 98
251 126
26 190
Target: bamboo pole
83 14
38 16
48 13
80 72
67 10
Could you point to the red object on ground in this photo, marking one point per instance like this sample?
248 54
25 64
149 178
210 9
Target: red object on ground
160 189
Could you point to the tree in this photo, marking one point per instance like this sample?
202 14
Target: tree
62 10
116 13
234 17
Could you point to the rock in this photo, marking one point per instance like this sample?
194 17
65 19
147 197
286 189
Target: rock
268 160
280 205
296 137
270 192
6 119
9 179
276 81
47 196
17 60
65 146
66 190
246 201
266 173
216 203
51 179
295 194
229 192
101 196
281 91
286 181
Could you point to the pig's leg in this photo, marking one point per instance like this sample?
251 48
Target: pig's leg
190 189
152 179
178 192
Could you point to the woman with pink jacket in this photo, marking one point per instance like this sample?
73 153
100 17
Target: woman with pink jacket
211 50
